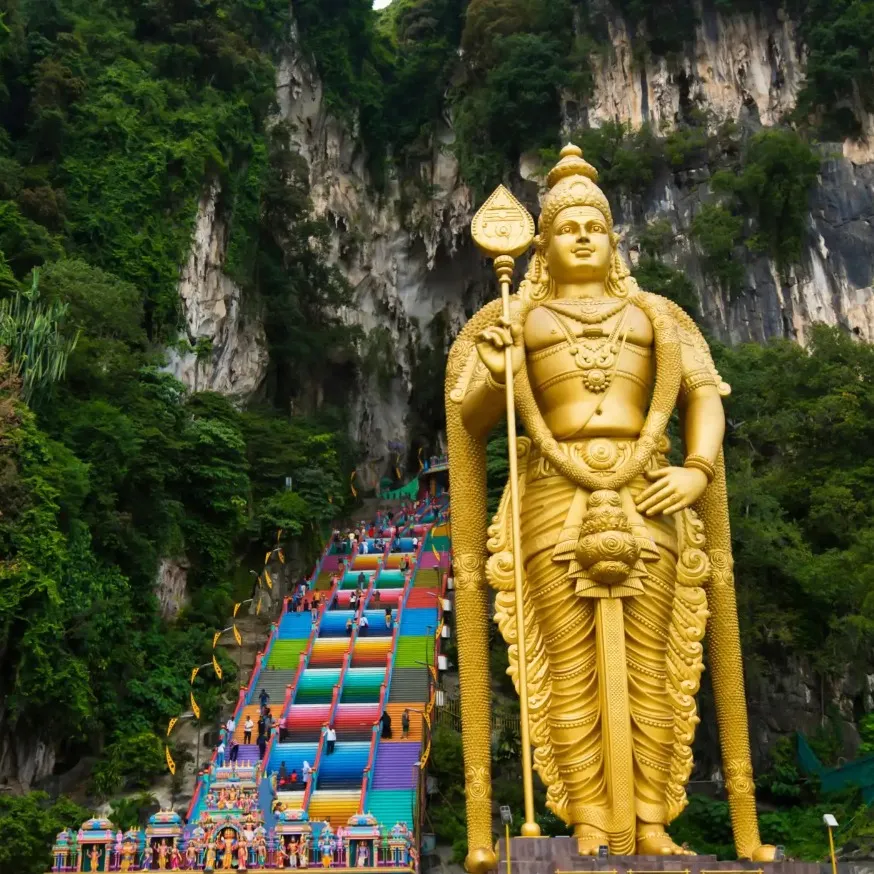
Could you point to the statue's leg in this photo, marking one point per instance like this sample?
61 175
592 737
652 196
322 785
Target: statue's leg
568 627
647 621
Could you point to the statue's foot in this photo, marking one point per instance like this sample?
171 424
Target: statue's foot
653 840
589 839
764 853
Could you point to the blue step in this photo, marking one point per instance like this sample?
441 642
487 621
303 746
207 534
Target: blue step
294 755
418 622
295 626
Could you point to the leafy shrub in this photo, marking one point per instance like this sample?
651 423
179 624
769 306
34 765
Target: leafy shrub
717 231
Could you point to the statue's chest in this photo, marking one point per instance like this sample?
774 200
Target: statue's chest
595 346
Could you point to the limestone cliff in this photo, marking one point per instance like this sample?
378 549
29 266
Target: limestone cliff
406 252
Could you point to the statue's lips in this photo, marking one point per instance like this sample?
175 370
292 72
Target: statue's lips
584 252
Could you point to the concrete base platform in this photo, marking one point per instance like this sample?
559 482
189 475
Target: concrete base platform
559 856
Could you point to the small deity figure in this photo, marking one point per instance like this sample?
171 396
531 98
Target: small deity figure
362 856
327 852
292 853
94 857
227 850
210 800
127 856
303 852
163 855
261 851
175 859
191 854
242 854
209 861
281 855
147 857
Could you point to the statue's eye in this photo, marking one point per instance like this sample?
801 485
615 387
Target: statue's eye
597 229
566 229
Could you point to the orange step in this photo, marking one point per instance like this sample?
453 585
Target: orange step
395 711
253 710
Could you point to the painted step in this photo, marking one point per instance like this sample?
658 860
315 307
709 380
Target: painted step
396 766
424 597
285 654
414 652
293 754
390 806
396 559
304 721
316 686
334 806
396 711
253 711
328 652
295 626
418 622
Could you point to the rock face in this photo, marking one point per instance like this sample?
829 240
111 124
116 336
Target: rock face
171 587
228 348
406 251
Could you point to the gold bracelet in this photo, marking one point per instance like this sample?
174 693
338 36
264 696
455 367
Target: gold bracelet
494 386
699 462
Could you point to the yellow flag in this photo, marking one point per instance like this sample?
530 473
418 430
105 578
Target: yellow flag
194 673
352 484
236 608
194 708
216 667
170 763
215 638
266 558
258 608
421 466
170 724
282 556
397 462
436 554
268 578
237 636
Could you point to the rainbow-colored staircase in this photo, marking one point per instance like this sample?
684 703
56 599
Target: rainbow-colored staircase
335 672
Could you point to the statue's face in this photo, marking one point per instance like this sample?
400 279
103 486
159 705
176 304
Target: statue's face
579 248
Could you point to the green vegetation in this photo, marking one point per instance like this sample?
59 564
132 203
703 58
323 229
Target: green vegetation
115 118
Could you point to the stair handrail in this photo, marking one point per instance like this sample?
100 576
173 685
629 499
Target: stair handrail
332 711
367 775
243 697
302 664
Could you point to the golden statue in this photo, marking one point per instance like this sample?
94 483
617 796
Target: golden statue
606 559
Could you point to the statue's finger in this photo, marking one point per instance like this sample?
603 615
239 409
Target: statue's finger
678 505
656 474
661 506
652 496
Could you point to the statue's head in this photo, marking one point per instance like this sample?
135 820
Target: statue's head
575 241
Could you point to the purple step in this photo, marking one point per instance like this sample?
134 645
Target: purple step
247 755
395 765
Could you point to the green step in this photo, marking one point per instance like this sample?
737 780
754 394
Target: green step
390 806
413 652
285 654
316 686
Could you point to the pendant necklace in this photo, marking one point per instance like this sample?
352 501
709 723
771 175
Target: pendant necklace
596 358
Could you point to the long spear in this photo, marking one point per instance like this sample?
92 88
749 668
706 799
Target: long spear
502 230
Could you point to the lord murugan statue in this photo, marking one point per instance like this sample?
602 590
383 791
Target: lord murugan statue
623 556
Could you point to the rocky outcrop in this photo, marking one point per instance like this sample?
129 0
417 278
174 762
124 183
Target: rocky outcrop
405 250
746 61
225 349
171 587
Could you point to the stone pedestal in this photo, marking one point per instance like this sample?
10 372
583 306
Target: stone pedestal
559 855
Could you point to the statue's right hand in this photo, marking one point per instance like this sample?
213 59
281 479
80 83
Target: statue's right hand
493 342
